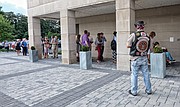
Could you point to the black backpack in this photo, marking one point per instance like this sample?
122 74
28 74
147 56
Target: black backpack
113 44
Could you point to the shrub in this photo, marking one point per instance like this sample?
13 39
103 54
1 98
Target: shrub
3 50
33 48
84 48
59 52
158 49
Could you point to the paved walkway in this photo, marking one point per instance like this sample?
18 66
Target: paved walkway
48 83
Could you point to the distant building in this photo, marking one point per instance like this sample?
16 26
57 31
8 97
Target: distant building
161 16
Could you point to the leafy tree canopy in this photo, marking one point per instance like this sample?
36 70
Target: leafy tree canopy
20 24
50 28
1 12
5 29
17 25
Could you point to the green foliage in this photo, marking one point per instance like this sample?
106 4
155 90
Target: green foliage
33 48
20 24
84 48
158 49
49 34
1 12
59 52
5 29
10 16
50 28
3 50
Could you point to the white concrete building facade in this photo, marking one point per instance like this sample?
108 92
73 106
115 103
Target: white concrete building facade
107 16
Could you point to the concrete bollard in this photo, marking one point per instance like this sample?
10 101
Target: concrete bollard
85 60
158 65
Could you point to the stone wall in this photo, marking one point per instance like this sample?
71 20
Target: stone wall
165 21
95 24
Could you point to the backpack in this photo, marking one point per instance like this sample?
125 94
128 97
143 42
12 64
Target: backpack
113 44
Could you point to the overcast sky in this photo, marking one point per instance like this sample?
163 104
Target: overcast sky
16 6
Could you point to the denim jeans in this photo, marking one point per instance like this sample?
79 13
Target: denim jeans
168 56
140 64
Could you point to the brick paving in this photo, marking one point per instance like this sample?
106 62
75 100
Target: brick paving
48 83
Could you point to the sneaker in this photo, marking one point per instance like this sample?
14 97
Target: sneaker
148 93
98 61
132 93
170 62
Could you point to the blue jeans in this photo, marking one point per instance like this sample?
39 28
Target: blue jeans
168 56
140 64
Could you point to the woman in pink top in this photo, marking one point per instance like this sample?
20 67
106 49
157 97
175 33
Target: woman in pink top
46 47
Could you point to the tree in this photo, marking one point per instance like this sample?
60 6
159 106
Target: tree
5 29
20 24
1 12
50 28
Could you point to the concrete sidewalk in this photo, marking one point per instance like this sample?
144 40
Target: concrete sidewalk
48 83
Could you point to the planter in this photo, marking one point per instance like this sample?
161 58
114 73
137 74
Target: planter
33 55
85 60
158 65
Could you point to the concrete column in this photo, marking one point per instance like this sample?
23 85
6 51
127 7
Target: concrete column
68 32
125 18
34 30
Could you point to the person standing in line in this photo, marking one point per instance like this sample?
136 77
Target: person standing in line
139 44
91 40
98 43
42 42
78 46
85 39
151 35
13 44
113 47
27 41
53 42
24 46
18 46
103 38
56 48
46 47
6 46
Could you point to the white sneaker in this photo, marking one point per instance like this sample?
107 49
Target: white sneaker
170 62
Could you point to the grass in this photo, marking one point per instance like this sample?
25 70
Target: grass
60 52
